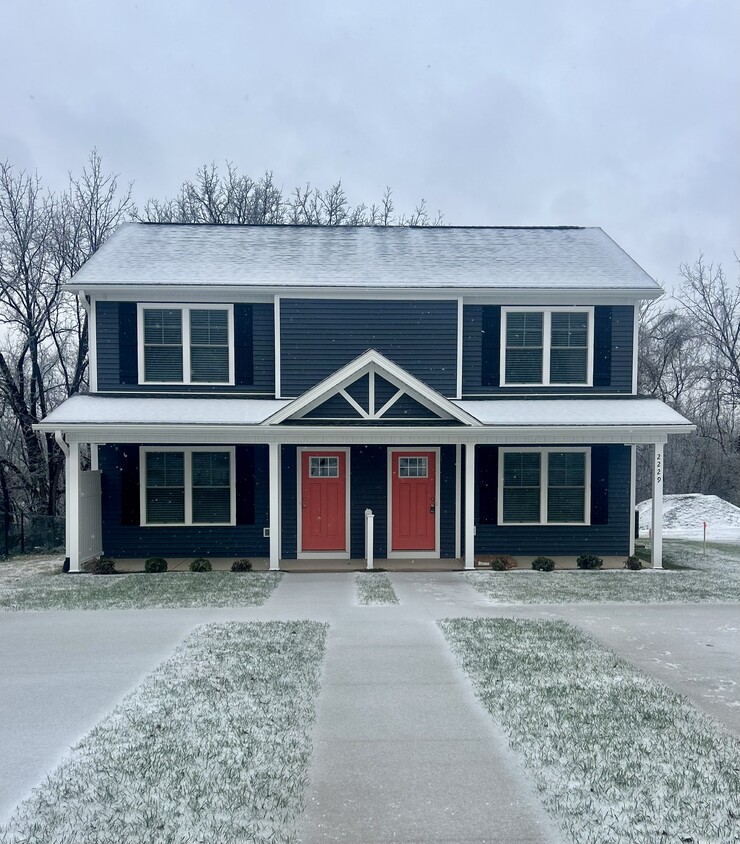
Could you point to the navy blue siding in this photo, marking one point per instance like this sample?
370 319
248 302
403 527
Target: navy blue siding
369 488
127 540
618 379
335 407
320 336
289 500
117 355
553 540
447 502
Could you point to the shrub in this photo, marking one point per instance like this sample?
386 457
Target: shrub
633 562
200 564
543 564
241 565
503 562
154 565
103 565
589 561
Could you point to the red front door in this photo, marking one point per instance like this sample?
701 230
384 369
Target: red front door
323 501
413 490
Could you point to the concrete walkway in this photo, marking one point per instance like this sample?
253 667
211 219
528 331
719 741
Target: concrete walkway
403 751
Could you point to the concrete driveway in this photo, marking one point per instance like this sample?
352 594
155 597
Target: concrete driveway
402 749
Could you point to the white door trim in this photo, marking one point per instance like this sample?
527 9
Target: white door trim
421 555
322 555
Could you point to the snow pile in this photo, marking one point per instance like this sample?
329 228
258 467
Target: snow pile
684 517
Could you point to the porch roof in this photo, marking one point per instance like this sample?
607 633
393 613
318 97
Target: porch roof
529 416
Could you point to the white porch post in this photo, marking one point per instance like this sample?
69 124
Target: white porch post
72 505
470 506
274 450
657 553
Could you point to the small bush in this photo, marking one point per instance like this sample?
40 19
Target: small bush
103 565
155 565
503 562
241 565
543 564
589 561
200 564
633 562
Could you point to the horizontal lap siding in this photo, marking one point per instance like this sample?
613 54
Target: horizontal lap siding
320 336
621 357
611 538
447 502
135 541
111 355
289 501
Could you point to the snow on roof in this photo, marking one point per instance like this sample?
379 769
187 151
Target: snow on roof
153 410
363 256
611 412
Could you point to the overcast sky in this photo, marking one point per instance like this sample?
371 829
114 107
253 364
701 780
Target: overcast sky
614 113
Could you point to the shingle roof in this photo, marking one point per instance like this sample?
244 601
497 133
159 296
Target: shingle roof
364 256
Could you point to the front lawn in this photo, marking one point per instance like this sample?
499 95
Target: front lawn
617 756
715 577
213 746
21 590
374 588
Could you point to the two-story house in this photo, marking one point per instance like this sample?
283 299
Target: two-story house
254 390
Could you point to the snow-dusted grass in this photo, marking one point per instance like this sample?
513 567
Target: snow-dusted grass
213 746
135 591
715 577
617 757
374 588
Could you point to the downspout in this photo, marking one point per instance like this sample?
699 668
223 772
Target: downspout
61 442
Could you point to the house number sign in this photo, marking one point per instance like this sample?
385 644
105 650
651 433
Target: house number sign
659 468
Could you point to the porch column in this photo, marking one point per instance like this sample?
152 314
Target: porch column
72 504
657 552
274 450
470 506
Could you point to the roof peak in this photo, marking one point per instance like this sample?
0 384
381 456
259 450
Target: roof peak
344 227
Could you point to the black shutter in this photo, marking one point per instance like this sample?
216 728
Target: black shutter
130 507
600 485
602 346
128 366
245 485
243 345
490 346
487 464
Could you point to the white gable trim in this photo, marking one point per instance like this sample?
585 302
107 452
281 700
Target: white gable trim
372 361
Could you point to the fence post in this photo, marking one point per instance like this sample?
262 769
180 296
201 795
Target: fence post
369 519
23 535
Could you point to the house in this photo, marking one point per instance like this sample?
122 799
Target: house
254 390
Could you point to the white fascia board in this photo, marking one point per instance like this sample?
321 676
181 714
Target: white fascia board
356 369
366 435
251 292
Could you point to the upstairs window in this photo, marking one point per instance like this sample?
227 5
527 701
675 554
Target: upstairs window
545 486
188 344
547 347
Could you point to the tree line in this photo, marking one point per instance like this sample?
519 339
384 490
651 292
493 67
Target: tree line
45 237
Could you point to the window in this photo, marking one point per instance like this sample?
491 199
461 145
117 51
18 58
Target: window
323 467
187 344
191 486
547 346
544 486
412 467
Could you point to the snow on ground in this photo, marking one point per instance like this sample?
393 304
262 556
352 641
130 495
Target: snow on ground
684 517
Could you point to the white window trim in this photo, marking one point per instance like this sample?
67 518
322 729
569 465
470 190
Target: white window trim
188 484
185 323
544 464
547 343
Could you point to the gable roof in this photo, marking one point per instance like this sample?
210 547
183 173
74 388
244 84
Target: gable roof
376 257
376 363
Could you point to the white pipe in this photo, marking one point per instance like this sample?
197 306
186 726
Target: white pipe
369 543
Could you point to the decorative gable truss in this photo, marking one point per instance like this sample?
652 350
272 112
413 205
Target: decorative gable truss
372 389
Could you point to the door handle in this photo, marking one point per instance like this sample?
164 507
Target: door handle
304 503
431 509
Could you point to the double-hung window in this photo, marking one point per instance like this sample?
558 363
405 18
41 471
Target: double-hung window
186 344
188 486
544 486
547 347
